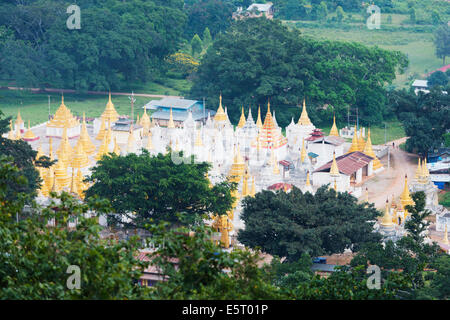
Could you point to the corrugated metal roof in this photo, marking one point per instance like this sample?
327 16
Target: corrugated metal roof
336 141
171 102
181 115
348 163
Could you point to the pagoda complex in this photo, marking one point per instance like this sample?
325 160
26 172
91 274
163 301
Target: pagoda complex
63 118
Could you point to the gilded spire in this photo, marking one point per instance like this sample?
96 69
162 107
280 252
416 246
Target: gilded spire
102 150
29 135
55 187
18 133
40 153
245 191
65 150
61 176
88 146
242 119
369 151
73 184
80 158
418 170
19 120
361 142
334 130
49 178
110 114
335 186
170 124
354 147
102 133
334 170
258 120
304 118
405 197
81 186
145 122
308 181
220 114
387 219
131 141
238 167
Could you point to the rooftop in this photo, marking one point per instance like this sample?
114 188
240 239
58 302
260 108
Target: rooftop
261 7
181 116
420 83
336 141
177 103
348 163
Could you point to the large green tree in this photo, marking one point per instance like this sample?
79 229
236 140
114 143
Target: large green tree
257 59
23 157
143 187
35 258
425 117
290 224
119 42
442 42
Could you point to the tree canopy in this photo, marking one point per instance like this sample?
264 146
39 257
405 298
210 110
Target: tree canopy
257 59
290 224
425 117
119 41
143 187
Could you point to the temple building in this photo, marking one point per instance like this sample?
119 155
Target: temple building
180 109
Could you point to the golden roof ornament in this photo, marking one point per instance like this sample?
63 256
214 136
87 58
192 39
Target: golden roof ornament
308 181
258 120
64 151
368 150
276 168
18 133
198 141
102 150
171 124
418 170
88 145
361 142
386 221
354 147
304 118
29 135
145 122
102 133
73 184
242 119
220 115
49 178
19 120
61 175
80 159
334 130
334 170
55 187
405 197
110 114
63 118
238 167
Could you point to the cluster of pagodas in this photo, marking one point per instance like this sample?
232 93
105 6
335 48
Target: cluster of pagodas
15 133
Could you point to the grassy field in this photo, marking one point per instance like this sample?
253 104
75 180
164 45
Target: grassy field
444 198
34 107
394 130
418 46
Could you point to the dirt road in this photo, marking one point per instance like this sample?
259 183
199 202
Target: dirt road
391 182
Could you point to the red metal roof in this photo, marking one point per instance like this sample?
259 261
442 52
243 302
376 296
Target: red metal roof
443 69
348 163
280 186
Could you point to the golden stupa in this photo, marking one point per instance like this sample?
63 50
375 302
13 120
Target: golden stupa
369 151
63 118
110 114
304 118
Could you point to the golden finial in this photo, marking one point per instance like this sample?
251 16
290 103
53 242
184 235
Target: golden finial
405 197
387 219
304 118
334 170
354 147
334 130
308 182
171 124
253 189
242 119
116 150
258 120
369 151
101 134
418 170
